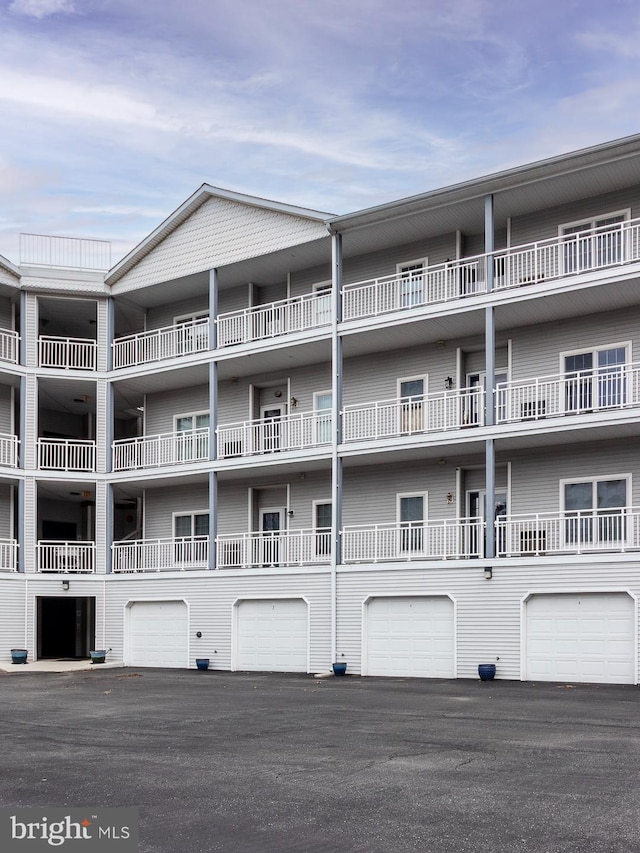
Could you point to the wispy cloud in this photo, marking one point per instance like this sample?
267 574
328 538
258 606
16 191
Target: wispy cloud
41 8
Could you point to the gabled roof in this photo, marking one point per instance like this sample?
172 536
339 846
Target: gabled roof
7 265
199 197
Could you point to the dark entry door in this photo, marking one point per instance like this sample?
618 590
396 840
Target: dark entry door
66 626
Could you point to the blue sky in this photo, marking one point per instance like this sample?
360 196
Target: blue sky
115 111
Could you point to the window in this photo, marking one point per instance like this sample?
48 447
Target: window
322 303
322 403
412 406
412 282
192 332
322 520
593 243
193 436
595 379
190 532
595 511
411 513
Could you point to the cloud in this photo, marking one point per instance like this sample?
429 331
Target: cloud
39 9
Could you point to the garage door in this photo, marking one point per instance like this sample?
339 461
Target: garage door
273 635
158 634
580 637
411 636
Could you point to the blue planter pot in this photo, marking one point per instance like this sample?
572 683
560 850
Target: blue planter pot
339 668
202 663
19 655
98 656
487 671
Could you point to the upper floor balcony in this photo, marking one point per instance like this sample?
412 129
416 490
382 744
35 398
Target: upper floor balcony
157 555
181 339
62 454
580 392
66 557
297 431
615 530
404 416
170 448
446 539
67 353
566 256
266 549
262 322
8 555
9 445
9 343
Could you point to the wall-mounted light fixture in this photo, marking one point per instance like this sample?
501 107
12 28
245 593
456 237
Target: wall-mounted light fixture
488 573
293 402
449 497
290 513
65 585
448 383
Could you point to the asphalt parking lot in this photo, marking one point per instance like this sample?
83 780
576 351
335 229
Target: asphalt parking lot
250 763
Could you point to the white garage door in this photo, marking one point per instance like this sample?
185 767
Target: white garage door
580 637
411 636
273 635
158 634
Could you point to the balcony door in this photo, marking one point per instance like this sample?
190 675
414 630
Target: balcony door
271 431
412 281
473 407
412 412
192 443
271 527
477 510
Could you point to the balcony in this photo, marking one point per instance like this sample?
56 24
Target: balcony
580 392
161 555
271 435
447 539
311 311
160 344
9 346
154 451
61 454
66 557
414 415
9 445
581 532
42 250
561 257
67 353
8 555
277 548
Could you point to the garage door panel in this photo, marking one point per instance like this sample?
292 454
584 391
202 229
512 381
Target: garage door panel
581 637
410 636
272 635
158 634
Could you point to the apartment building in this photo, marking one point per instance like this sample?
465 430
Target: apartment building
405 438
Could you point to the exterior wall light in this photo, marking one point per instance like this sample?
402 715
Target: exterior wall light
65 585
488 573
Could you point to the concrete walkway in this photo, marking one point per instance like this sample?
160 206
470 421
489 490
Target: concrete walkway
53 666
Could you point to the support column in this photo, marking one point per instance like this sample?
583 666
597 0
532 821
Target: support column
213 518
213 417
490 368
20 531
336 432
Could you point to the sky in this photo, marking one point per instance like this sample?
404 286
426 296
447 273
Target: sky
113 112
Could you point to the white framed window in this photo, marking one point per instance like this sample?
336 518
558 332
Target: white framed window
192 436
593 243
595 378
412 391
595 509
322 521
190 524
322 403
191 532
412 289
322 304
193 332
411 514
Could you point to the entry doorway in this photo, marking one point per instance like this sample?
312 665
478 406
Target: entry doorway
66 626
477 509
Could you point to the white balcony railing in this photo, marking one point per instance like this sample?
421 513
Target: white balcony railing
274 548
158 555
616 387
546 260
270 435
277 318
70 252
8 555
61 454
67 353
579 532
169 342
66 557
414 415
419 540
9 445
152 451
9 346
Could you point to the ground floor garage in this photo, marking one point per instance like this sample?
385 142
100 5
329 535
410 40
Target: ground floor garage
157 633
